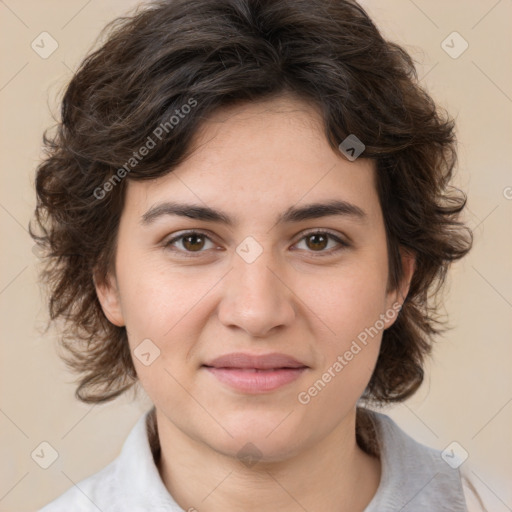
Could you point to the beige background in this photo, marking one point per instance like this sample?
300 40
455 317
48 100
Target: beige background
468 395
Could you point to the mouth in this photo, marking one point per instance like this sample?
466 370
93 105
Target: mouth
255 380
255 374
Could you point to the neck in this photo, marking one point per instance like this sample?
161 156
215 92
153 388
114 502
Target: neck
334 474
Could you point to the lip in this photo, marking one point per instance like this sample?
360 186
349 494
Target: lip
243 360
255 374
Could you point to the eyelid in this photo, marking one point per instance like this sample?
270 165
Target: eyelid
183 234
333 235
343 243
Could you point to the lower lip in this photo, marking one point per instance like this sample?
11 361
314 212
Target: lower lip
252 381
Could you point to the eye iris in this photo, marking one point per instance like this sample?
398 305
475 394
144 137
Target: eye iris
191 246
319 241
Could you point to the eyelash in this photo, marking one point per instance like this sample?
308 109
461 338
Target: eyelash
191 254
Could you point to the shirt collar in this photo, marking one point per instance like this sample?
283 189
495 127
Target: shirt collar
137 475
142 488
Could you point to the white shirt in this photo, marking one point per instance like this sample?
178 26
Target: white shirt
414 477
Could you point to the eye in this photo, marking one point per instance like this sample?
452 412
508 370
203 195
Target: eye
318 241
192 243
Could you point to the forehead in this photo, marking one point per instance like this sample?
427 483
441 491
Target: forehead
256 160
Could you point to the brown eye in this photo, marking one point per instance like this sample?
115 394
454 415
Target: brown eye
193 242
317 241
189 244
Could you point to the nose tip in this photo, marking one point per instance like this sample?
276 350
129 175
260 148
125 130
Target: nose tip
256 299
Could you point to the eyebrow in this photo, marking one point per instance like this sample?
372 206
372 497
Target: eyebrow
292 214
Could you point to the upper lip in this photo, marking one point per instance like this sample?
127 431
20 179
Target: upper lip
260 362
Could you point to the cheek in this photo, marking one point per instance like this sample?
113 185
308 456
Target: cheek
168 309
163 320
155 298
351 306
351 300
352 310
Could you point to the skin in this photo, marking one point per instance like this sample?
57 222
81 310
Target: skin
254 161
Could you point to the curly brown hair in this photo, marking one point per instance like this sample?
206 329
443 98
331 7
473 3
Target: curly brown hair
218 52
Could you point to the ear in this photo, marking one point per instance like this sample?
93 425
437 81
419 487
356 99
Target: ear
397 297
108 294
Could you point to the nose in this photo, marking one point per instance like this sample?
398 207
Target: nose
256 297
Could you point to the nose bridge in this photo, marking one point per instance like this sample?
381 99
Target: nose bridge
255 298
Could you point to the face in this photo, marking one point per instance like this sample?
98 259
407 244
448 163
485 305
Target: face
281 277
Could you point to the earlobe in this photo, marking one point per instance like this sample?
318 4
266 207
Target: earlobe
108 295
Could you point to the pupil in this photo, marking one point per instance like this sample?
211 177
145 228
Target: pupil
190 245
322 239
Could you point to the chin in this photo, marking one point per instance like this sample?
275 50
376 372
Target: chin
255 451
269 440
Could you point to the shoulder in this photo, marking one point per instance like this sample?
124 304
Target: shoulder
88 494
415 477
120 483
454 482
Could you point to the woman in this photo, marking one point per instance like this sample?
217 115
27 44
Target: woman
246 209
